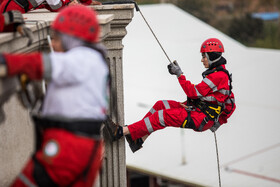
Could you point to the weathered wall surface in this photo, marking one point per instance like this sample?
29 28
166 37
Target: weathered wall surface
16 133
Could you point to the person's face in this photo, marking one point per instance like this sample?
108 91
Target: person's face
56 43
204 60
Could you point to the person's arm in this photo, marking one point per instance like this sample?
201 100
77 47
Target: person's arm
193 91
190 89
34 65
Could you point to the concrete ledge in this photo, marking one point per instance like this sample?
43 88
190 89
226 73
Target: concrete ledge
39 22
16 134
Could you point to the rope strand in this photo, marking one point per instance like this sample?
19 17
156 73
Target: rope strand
218 161
155 36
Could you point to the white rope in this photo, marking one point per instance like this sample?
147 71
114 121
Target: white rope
218 161
155 36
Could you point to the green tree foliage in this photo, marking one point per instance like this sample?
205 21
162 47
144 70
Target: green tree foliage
271 37
198 8
246 29
236 22
147 1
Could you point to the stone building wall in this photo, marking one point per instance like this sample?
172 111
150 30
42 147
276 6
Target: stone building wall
16 133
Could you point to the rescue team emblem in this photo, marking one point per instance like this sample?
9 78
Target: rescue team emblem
51 148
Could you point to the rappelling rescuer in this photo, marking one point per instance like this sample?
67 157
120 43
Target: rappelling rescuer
69 146
209 104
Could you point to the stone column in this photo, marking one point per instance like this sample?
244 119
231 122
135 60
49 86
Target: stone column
16 133
114 165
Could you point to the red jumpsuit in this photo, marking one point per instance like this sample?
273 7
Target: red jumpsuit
214 88
2 23
27 5
64 156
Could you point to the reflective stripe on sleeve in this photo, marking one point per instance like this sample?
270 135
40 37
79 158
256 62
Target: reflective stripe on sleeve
161 118
166 104
210 84
148 125
197 92
223 91
26 181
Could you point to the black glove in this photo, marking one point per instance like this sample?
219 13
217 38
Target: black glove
13 17
174 69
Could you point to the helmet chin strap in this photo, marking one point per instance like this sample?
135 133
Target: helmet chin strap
69 42
212 61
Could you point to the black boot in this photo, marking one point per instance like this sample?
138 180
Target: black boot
115 130
134 145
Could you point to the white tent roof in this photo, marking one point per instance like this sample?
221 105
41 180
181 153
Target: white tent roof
250 142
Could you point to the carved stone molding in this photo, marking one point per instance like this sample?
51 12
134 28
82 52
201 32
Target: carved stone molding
16 134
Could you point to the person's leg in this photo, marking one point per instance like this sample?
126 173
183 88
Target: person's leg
159 105
116 131
162 104
159 120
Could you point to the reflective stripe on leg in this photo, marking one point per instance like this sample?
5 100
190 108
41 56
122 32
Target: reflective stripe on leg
161 118
166 104
152 110
148 125
26 181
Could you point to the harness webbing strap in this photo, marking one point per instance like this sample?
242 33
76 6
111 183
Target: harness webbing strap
23 4
90 128
41 176
202 124
188 123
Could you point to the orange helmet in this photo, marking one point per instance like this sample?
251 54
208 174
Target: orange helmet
212 45
78 21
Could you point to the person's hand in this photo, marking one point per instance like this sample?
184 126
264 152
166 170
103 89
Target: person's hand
174 69
96 3
13 17
25 31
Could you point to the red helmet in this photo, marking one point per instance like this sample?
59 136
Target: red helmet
212 45
78 21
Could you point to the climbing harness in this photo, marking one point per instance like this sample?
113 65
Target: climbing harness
138 10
